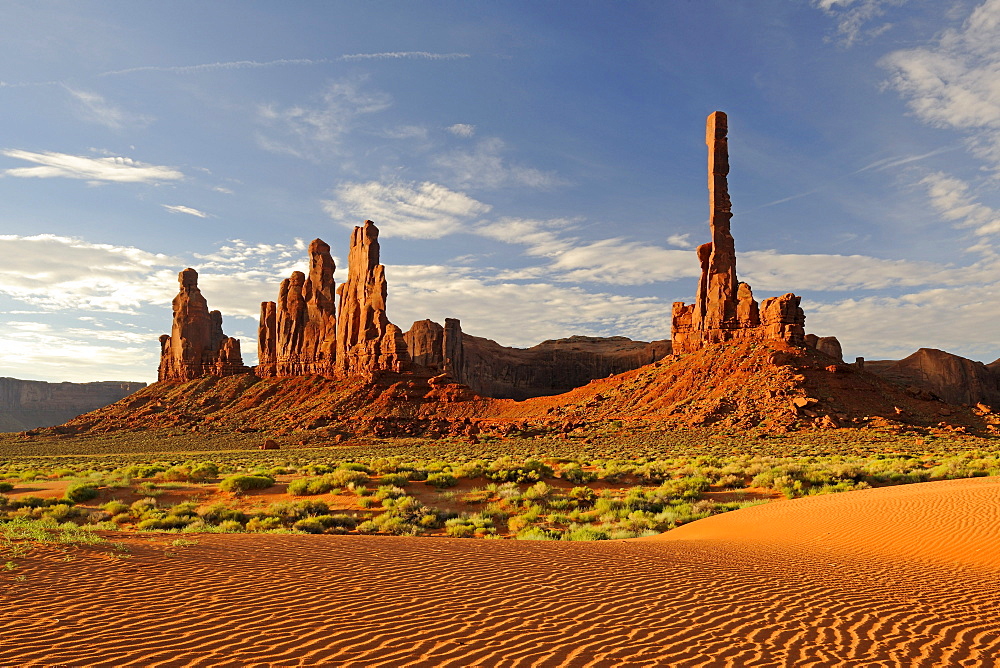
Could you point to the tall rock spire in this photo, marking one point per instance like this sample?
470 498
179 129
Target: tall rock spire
367 342
196 346
724 308
297 334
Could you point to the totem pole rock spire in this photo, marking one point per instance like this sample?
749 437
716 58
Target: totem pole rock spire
724 308
196 346
721 286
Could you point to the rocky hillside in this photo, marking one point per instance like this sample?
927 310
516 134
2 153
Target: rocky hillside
758 387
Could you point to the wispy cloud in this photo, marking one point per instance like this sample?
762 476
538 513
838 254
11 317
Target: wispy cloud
486 167
405 209
462 129
62 165
178 208
403 55
954 83
680 240
284 62
898 161
790 198
310 131
854 16
96 109
951 197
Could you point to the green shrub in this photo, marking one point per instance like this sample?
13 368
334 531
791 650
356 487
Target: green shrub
6 486
585 494
343 477
80 492
115 507
586 533
259 524
63 512
239 484
309 525
394 479
441 480
537 533
310 486
574 473
218 513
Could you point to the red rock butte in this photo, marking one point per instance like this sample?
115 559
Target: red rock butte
724 308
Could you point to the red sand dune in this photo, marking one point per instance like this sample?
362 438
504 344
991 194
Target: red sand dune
903 576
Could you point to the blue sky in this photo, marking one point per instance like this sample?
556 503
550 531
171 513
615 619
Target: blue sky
537 169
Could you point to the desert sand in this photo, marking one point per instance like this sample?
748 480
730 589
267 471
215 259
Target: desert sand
898 576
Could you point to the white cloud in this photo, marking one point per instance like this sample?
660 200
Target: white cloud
100 277
178 208
680 240
462 129
116 169
307 132
773 271
616 261
405 55
518 314
404 209
951 198
36 350
955 83
98 110
961 320
485 167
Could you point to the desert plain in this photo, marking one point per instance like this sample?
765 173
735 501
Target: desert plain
884 575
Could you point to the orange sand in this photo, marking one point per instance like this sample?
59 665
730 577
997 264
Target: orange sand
901 576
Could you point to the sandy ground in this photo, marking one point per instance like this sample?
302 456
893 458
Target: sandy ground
901 576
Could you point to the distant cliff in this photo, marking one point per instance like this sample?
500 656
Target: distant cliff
551 367
26 404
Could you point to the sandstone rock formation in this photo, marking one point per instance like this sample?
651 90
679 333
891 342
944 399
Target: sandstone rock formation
551 367
724 308
367 342
196 345
26 404
297 334
952 378
828 345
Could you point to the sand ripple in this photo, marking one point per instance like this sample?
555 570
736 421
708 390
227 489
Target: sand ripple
906 576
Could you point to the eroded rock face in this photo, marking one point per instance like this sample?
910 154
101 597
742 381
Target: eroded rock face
952 378
297 334
26 404
196 345
551 367
367 342
724 308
